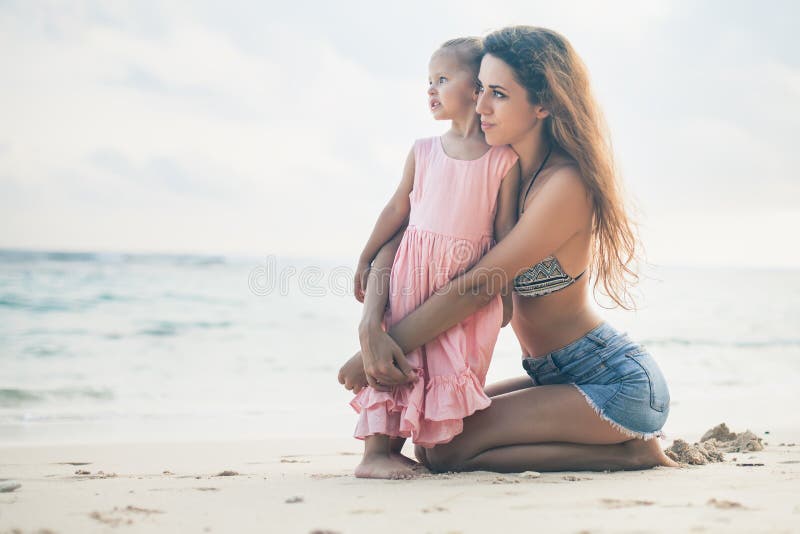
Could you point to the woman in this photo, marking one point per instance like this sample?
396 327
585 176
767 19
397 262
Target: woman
593 399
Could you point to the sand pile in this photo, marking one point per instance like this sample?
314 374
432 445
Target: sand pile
728 441
712 445
697 454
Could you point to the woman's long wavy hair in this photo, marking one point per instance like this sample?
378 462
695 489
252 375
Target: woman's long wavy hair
545 64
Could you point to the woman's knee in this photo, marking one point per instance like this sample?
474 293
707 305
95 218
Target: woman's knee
441 459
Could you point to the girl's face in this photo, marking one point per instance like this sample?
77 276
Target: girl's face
506 114
451 86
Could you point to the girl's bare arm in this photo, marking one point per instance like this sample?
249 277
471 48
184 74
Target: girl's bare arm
353 374
393 217
376 295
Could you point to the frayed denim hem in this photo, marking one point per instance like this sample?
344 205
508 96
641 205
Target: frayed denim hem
628 432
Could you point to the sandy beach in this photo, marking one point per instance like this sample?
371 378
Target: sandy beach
190 193
290 486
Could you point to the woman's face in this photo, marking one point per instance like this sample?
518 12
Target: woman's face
506 114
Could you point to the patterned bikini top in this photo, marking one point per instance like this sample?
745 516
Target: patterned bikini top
546 276
543 278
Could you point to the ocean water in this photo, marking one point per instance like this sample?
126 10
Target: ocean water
99 347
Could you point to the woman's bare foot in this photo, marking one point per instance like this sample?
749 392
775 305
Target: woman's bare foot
384 466
644 454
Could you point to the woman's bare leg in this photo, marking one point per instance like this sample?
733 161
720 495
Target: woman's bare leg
492 390
508 385
632 454
557 416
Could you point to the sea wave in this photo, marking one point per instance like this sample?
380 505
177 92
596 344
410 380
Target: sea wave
173 328
20 302
15 397
32 256
742 344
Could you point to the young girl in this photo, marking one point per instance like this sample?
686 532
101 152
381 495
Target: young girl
458 197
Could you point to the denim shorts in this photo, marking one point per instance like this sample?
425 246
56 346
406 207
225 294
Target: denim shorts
618 378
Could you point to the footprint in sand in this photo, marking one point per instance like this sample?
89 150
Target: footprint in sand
7 486
82 473
726 505
434 509
573 478
505 480
117 516
618 503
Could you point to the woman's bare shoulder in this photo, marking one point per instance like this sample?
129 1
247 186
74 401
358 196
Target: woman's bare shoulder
563 175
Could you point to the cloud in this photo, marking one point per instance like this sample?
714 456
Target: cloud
283 128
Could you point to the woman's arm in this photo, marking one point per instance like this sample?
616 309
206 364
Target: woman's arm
393 217
504 220
558 211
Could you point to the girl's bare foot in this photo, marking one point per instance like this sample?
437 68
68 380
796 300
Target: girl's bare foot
384 466
413 464
644 454
422 458
417 467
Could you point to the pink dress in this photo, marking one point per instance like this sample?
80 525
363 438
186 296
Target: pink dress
451 226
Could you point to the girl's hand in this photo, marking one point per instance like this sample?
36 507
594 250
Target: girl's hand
352 374
385 363
360 280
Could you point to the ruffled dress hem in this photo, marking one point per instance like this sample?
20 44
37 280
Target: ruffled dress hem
447 399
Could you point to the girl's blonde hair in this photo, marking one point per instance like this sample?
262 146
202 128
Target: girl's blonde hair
469 51
545 63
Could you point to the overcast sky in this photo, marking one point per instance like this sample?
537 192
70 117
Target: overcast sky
281 128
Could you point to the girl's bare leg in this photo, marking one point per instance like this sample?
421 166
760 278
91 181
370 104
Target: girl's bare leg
396 450
542 428
396 444
380 462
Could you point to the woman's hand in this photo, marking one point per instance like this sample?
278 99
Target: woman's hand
385 363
